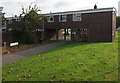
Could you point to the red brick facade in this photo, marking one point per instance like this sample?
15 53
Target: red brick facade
101 26
96 25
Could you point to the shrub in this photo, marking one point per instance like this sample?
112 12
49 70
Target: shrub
25 37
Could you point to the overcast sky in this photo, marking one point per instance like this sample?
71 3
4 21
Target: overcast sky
13 7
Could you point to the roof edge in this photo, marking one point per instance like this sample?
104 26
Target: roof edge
85 11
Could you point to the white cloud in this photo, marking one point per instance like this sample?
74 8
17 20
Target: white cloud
17 0
61 4
14 6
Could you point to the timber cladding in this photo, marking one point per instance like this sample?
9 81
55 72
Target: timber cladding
99 25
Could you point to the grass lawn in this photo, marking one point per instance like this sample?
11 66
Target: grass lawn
73 61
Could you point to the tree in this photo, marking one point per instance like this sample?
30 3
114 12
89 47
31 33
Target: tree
29 22
30 19
117 21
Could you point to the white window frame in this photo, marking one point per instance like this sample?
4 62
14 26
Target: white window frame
113 32
62 20
75 15
49 18
113 16
18 19
10 21
41 18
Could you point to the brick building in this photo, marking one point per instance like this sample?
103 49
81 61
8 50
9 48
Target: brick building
93 25
1 8
9 23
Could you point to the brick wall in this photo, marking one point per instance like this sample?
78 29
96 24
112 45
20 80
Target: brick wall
99 25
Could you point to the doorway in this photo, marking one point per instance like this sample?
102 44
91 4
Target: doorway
64 34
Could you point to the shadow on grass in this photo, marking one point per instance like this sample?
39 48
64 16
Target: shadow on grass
71 44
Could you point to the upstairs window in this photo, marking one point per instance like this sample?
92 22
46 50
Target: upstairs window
77 17
17 19
50 18
113 16
62 18
9 21
41 18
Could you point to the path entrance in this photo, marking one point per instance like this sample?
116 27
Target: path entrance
7 59
78 34
58 34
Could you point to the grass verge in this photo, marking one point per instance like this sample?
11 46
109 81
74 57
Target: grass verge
73 61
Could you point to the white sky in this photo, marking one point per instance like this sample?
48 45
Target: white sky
13 7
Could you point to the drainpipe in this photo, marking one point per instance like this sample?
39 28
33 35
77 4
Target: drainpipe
43 30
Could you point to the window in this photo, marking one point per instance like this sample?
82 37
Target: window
50 18
77 17
62 18
113 33
113 16
9 21
41 18
18 19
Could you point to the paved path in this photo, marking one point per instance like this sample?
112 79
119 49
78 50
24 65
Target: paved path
7 59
